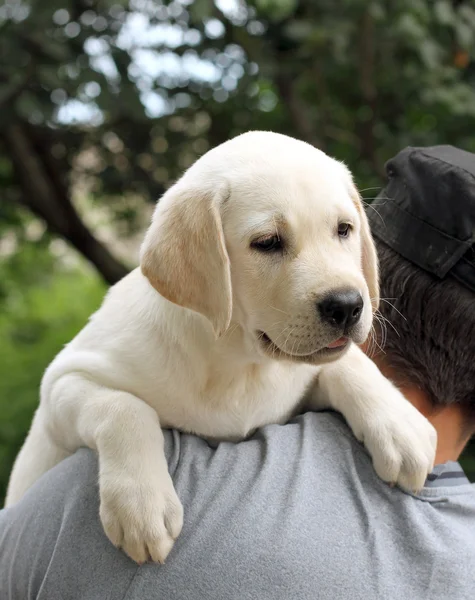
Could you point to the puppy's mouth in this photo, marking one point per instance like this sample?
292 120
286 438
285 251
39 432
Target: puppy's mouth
332 350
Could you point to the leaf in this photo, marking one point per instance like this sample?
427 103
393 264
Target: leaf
276 10
444 12
299 30
200 10
465 34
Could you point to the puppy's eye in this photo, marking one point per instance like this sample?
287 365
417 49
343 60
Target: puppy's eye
268 243
344 230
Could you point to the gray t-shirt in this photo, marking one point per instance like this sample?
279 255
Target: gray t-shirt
295 512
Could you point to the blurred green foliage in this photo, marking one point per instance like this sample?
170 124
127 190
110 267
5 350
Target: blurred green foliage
110 100
42 307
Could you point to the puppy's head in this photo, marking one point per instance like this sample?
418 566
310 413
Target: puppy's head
268 232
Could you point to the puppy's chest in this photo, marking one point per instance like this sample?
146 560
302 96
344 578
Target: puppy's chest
232 407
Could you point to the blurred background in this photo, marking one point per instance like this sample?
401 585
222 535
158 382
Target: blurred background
103 103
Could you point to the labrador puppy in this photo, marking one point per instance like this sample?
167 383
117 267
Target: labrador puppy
258 279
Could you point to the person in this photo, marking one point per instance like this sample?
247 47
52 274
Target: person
297 510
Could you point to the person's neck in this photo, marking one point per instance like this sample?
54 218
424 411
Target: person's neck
448 421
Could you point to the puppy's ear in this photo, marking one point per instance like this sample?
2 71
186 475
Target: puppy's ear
369 256
184 254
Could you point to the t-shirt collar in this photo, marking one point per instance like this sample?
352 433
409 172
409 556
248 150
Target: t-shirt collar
449 474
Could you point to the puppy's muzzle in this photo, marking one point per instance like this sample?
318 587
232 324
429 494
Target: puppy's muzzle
342 309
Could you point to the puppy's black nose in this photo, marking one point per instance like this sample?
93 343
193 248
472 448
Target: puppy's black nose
342 308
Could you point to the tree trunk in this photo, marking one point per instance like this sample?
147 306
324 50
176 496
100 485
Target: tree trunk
50 201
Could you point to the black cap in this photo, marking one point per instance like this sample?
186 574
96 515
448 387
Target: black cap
426 212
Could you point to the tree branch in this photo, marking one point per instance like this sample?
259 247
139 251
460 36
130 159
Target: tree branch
283 80
297 109
15 89
368 91
51 202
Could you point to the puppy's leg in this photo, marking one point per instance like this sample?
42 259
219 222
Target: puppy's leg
139 508
400 440
39 454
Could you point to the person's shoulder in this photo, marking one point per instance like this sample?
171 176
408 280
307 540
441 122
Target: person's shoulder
308 433
326 422
319 430
311 444
71 486
75 476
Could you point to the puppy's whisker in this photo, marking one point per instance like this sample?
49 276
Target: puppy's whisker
382 319
231 330
279 310
381 349
293 346
376 187
279 335
373 343
383 322
297 341
373 208
289 327
378 318
373 335
370 346
383 333
393 307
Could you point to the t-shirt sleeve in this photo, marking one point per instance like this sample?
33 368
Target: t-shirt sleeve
52 545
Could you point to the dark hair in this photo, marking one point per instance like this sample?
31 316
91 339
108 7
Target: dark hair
429 334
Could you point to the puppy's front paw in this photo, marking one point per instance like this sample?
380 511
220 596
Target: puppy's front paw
144 518
401 441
